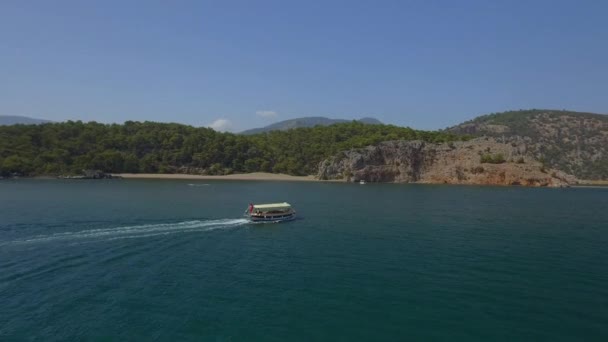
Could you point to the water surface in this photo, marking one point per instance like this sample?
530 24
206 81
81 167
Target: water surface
174 260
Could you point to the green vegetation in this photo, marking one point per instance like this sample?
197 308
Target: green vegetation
518 119
493 159
598 168
148 147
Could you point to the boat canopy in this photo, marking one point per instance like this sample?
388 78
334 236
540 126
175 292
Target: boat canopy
272 206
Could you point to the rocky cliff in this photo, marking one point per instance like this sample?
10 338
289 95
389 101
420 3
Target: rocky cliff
478 161
573 142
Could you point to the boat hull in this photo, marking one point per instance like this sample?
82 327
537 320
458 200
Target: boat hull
272 218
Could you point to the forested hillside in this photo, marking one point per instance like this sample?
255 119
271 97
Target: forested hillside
574 142
70 147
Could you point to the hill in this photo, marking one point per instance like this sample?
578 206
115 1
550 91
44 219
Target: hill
6 120
573 142
311 121
149 147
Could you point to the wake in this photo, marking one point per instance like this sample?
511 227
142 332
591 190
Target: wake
132 232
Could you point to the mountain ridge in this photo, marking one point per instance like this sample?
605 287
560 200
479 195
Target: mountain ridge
307 121
7 120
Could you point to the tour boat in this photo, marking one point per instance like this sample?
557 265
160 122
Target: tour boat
271 212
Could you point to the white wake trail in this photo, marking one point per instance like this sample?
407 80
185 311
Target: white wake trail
137 231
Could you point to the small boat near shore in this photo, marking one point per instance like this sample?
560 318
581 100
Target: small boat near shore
270 212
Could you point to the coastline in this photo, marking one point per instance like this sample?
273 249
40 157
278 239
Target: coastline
265 176
255 176
593 182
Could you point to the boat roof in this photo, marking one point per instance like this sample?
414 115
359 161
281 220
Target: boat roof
283 205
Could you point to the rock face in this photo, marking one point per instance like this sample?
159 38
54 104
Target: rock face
573 142
478 161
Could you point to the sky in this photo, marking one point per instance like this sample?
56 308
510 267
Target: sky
234 65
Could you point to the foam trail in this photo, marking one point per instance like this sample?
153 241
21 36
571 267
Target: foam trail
130 232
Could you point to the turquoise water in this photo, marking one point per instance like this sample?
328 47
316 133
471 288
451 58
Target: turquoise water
173 260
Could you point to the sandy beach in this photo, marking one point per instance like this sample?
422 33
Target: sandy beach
258 176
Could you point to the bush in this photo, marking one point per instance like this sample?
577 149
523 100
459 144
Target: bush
520 160
490 159
478 169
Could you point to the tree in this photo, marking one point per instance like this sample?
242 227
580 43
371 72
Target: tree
15 164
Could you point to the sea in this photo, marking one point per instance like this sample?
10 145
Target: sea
173 260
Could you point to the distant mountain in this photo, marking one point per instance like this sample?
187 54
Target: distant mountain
573 142
310 121
370 121
6 120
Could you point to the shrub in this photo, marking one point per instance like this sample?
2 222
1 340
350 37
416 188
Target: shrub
520 160
478 169
490 159
460 173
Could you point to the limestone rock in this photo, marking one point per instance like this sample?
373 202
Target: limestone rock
447 163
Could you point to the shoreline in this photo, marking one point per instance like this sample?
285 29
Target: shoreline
255 176
593 183
280 177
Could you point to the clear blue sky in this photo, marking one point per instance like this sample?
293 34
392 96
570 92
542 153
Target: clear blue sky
425 64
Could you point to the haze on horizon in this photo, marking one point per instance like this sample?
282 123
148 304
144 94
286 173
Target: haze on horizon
239 64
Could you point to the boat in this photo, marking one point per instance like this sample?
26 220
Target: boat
362 182
270 212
